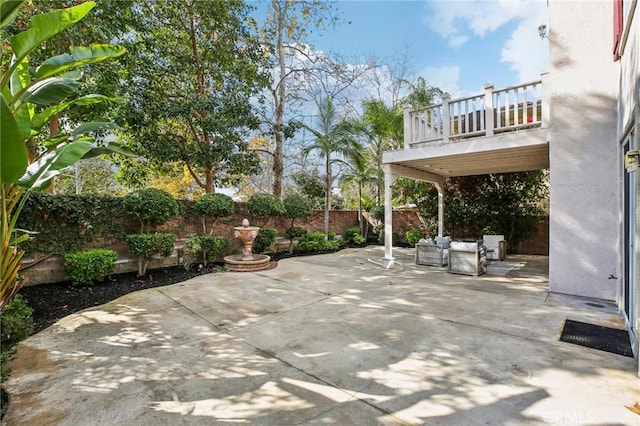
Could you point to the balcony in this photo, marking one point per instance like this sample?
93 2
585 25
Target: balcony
497 131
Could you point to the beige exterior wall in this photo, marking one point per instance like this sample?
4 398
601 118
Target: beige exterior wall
584 158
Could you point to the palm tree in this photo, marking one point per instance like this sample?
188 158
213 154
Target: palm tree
383 127
361 172
332 138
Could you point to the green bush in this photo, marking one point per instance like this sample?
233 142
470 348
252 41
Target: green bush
215 206
203 248
212 245
264 206
17 323
264 239
295 232
151 206
89 266
148 245
413 235
314 241
331 235
354 235
377 213
296 206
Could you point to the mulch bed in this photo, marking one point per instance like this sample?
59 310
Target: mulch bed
51 302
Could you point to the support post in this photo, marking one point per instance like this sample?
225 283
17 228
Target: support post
446 117
488 109
389 179
440 210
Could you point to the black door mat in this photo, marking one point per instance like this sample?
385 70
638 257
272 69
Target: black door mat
593 336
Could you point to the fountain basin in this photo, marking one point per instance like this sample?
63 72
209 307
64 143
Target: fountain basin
239 262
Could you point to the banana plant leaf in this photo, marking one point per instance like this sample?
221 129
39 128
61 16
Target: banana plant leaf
42 28
13 153
8 11
79 56
39 173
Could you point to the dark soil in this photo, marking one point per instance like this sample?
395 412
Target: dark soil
51 302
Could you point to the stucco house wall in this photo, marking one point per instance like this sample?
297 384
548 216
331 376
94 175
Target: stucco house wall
584 191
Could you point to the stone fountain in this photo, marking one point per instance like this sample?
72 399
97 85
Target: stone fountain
247 261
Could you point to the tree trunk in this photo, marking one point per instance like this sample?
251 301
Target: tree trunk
327 200
208 185
54 129
278 153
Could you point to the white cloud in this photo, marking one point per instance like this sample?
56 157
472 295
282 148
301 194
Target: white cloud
525 53
446 78
457 20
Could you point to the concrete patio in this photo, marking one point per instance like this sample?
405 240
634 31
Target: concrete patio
329 339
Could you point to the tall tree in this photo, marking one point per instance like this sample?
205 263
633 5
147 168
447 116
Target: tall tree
360 172
193 87
332 137
383 128
286 32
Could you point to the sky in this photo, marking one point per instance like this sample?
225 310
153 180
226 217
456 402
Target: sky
456 45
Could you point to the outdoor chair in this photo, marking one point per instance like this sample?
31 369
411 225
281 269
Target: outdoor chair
496 246
433 253
467 258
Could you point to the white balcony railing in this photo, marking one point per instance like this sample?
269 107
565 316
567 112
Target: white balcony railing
512 108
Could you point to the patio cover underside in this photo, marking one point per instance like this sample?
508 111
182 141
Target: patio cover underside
502 153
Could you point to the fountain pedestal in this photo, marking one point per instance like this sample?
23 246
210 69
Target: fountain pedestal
247 261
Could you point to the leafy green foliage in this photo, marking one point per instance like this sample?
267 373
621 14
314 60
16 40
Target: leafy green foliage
315 241
215 205
354 235
148 245
295 232
311 185
65 223
264 239
151 244
413 235
33 147
150 206
332 137
89 266
377 213
264 206
296 206
203 248
510 204
17 323
193 76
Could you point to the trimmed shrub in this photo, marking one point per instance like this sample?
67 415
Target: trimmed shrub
89 266
314 241
203 248
413 235
215 206
151 206
294 233
264 206
212 245
354 235
17 323
264 239
377 213
148 245
296 206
